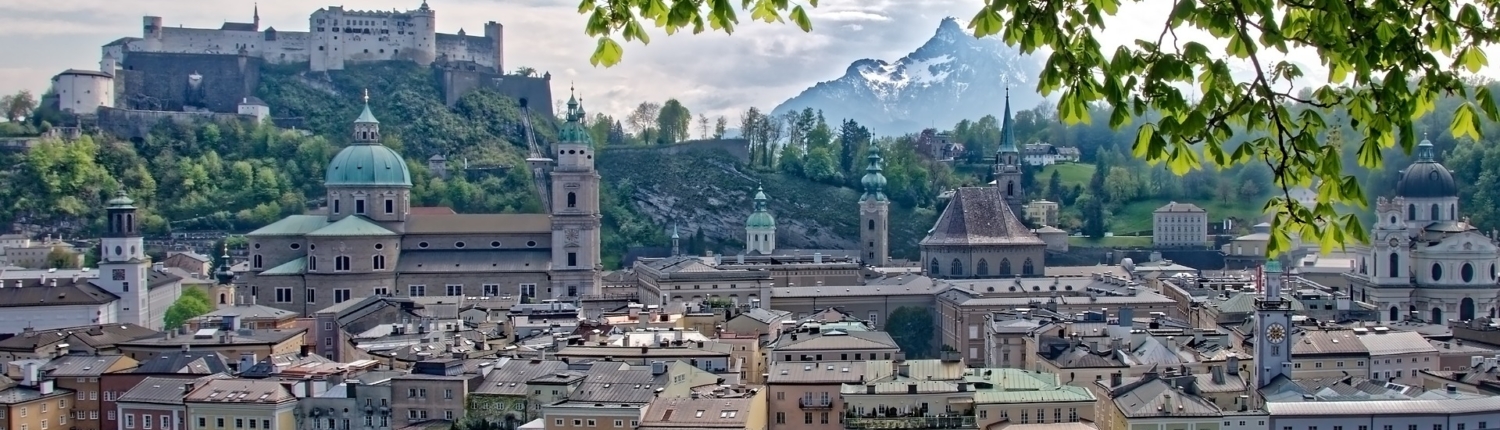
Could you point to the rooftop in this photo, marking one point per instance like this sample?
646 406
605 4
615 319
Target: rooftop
979 216
240 391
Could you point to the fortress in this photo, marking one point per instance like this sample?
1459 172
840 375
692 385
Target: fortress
334 37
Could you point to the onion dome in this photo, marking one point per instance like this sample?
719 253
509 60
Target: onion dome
573 131
873 181
760 218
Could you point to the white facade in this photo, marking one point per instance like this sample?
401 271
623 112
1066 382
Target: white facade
1179 224
54 317
1039 154
335 36
1445 414
256 108
83 91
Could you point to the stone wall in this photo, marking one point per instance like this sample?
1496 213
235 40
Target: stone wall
136 124
459 79
159 81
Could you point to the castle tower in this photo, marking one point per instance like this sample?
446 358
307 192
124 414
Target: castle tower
1008 163
424 34
575 210
1273 336
874 214
495 32
760 227
123 264
367 178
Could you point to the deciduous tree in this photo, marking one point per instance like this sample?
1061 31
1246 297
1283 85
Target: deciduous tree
673 121
191 304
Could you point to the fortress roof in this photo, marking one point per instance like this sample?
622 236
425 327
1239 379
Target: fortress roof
85 73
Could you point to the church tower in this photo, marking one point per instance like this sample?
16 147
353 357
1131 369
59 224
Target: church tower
1273 319
874 214
368 179
123 264
760 227
575 210
1008 163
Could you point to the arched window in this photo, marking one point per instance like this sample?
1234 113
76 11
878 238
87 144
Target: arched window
1027 269
378 262
1395 263
256 259
1466 272
572 199
222 298
312 263
1411 211
1393 220
1437 272
341 263
958 268
1362 266
934 268
1004 267
1435 212
872 225
1010 188
983 269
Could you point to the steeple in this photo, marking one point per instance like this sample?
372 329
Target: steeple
366 127
1007 132
675 250
573 131
257 16
224 274
1424 150
873 181
760 226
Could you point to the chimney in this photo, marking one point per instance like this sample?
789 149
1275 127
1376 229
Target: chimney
1218 374
1452 389
658 368
351 387
903 369
817 258
307 350
1234 365
45 387
247 360
1127 317
188 387
1166 403
1116 379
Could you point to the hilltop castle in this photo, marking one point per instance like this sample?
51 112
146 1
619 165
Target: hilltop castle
334 37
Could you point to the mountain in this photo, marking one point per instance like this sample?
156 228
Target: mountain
952 77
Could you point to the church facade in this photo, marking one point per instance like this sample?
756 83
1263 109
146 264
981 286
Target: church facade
369 241
1425 262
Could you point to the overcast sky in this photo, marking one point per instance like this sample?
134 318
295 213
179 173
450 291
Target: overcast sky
761 65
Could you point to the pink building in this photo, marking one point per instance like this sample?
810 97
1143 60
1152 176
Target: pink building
156 402
805 395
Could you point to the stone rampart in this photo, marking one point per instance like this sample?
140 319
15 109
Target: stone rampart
136 124
459 79
160 81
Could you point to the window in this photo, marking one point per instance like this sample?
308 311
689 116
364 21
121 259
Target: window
490 290
448 415
572 259
145 421
202 422
359 206
780 418
455 289
417 290
572 199
390 206
619 423
340 295
558 422
378 262
341 263
254 259
129 419
572 291
590 423
312 295
807 417
312 263
447 394
335 201
957 268
239 423
577 422
283 295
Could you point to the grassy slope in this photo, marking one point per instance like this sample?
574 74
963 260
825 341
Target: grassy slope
1136 216
1072 174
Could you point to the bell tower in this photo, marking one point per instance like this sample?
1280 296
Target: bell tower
123 263
1273 336
874 214
1008 163
575 210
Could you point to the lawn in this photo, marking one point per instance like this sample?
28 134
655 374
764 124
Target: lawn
1136 217
1072 174
1112 242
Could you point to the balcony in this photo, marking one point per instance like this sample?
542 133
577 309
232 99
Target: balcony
815 404
910 423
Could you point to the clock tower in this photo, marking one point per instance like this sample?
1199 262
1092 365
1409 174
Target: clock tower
1273 336
123 264
575 210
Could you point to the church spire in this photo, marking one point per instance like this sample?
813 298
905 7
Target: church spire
873 181
675 250
1007 131
257 16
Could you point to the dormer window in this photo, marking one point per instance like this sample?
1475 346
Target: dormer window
359 206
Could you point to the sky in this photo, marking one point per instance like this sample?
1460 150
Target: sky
760 65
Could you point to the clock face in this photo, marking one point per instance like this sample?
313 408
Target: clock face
118 274
1395 242
1275 333
571 235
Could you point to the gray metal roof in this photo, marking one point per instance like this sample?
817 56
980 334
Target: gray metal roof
163 390
979 216
1384 407
53 292
191 362
509 379
81 365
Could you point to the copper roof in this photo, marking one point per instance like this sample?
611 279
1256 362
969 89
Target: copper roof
979 216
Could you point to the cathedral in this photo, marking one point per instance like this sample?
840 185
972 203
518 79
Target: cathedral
369 241
1424 261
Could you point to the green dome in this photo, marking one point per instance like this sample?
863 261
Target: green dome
573 131
121 200
760 218
367 165
873 181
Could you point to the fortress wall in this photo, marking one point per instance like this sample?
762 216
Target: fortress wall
289 47
536 91
209 41
738 148
159 81
480 50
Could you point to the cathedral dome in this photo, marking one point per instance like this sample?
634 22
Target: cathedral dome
367 165
1426 178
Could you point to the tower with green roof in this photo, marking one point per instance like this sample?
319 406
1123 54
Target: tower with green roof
123 264
575 208
760 227
367 178
874 214
1008 162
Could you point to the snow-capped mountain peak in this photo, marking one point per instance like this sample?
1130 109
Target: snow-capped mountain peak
951 77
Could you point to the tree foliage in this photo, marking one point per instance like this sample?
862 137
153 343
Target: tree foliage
191 304
17 106
913 328
673 121
1388 63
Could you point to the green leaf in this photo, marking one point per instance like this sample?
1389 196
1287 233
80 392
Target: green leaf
1142 147
1473 58
986 22
799 16
607 54
1463 124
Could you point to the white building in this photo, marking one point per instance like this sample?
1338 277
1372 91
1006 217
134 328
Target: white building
1039 154
253 106
335 36
1179 224
83 91
1424 261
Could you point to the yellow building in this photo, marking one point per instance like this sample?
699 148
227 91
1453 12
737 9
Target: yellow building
223 404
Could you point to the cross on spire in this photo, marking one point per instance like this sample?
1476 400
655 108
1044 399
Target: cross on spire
367 96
